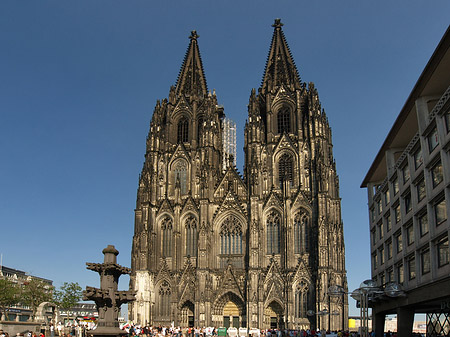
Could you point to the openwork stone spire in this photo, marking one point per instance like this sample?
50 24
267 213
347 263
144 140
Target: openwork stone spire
280 66
191 81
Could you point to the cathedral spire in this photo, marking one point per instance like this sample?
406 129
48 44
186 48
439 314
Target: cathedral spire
191 81
280 66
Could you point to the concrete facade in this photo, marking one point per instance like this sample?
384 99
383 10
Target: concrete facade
213 248
409 198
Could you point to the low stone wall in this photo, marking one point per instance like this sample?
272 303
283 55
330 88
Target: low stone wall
13 328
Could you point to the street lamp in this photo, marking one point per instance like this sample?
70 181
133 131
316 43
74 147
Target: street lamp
368 290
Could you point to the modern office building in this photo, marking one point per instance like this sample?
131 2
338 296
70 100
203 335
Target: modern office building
213 248
409 197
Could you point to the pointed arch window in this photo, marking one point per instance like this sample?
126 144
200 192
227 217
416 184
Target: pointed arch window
166 231
284 120
301 300
164 299
183 128
231 236
285 168
273 233
191 236
301 242
181 175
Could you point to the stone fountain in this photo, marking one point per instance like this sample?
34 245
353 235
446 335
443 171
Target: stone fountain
108 299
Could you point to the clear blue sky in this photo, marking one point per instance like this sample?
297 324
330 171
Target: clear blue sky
79 80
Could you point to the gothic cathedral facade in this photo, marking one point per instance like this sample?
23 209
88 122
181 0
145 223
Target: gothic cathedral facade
213 248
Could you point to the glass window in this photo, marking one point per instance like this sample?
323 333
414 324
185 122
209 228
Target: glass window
400 274
425 261
433 140
399 241
447 121
388 222
421 190
381 251
389 250
382 279
423 224
183 126
443 254
166 228
374 237
273 233
397 213
380 210
301 235
283 120
285 166
437 174
181 175
418 159
380 230
412 268
395 186
440 212
231 236
405 173
387 198
407 201
375 260
410 234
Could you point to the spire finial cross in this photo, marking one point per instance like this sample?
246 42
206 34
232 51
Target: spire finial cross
277 23
194 35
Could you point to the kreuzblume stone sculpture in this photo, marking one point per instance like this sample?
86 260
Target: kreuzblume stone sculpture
108 299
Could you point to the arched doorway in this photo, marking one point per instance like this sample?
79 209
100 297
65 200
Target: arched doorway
273 316
229 310
187 314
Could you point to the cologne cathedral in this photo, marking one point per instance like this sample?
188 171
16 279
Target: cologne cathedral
214 248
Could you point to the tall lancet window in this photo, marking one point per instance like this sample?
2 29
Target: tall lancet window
199 129
181 175
284 120
166 231
183 128
231 236
301 300
301 241
285 168
164 299
191 236
273 225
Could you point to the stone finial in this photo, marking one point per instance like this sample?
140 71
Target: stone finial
194 35
277 23
110 253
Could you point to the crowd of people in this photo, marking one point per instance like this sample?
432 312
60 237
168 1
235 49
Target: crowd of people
163 331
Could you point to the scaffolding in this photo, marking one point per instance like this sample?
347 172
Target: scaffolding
229 142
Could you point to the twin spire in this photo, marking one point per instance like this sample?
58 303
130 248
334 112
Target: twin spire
191 81
280 67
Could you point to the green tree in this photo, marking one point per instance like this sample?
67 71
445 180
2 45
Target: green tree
35 292
9 296
68 295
